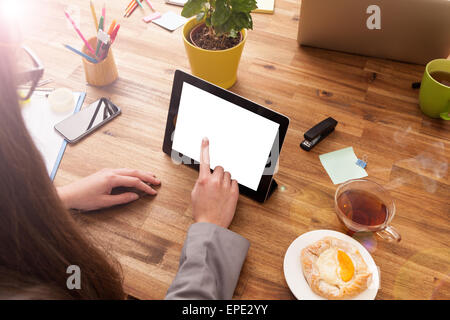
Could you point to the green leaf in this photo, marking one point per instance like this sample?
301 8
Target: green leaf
200 16
192 8
236 22
243 5
221 13
242 21
224 16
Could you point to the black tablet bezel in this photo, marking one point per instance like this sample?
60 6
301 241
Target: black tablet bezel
264 185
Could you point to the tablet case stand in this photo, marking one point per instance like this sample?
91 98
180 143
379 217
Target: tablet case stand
272 188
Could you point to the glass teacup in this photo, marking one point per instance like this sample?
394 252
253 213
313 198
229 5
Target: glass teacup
364 205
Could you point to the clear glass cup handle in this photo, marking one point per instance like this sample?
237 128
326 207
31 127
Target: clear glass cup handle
390 234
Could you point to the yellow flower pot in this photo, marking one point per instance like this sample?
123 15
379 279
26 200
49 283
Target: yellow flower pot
215 66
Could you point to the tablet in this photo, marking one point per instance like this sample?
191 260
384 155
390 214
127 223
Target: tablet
244 137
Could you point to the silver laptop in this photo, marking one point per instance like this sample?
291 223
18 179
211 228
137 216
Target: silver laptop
406 30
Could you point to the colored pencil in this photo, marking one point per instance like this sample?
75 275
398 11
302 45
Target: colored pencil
132 2
81 54
94 16
130 11
79 32
111 27
150 5
131 5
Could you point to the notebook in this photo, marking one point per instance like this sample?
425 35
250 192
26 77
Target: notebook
265 6
40 120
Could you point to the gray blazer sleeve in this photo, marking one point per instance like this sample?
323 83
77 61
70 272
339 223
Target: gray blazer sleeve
210 263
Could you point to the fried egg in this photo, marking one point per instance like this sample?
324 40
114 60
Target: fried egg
335 266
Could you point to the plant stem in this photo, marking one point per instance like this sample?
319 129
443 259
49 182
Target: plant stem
210 29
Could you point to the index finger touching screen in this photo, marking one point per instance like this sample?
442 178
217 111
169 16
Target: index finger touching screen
204 158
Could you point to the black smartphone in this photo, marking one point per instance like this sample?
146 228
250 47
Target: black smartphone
80 124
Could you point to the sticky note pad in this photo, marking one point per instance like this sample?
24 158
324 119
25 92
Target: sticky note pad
170 21
265 6
341 165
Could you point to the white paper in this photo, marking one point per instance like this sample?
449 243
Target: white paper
170 21
40 120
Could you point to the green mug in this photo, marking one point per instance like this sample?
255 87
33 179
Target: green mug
434 97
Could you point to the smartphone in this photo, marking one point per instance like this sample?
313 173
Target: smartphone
87 120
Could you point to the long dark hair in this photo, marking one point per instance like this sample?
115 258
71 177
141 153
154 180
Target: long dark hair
39 238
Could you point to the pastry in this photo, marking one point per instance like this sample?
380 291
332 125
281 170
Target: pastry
334 269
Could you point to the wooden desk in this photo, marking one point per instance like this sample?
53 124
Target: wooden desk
371 98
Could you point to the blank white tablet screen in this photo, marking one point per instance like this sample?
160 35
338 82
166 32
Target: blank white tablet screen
239 140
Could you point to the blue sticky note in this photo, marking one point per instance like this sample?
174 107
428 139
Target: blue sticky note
341 165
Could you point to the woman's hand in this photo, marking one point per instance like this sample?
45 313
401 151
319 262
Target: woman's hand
94 192
215 195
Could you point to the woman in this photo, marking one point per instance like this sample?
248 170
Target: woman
39 239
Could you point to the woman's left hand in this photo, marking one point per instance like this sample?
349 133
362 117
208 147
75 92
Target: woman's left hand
94 192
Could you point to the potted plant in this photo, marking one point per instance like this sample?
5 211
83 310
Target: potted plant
215 36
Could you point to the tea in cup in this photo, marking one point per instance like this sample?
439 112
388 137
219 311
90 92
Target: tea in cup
363 205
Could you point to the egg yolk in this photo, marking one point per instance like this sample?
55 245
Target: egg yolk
347 269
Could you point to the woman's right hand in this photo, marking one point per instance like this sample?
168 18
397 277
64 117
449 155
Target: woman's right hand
94 192
215 195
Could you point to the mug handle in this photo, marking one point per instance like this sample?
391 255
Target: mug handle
444 115
390 234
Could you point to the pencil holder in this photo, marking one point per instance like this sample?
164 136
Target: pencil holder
102 73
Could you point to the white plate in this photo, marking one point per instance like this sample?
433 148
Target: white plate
293 271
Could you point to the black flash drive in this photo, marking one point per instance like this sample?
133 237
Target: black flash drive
317 133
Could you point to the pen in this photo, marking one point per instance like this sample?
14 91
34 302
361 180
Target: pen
151 17
79 32
94 16
114 33
100 27
100 24
81 54
111 27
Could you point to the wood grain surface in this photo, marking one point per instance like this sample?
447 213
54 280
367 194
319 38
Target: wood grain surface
371 98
